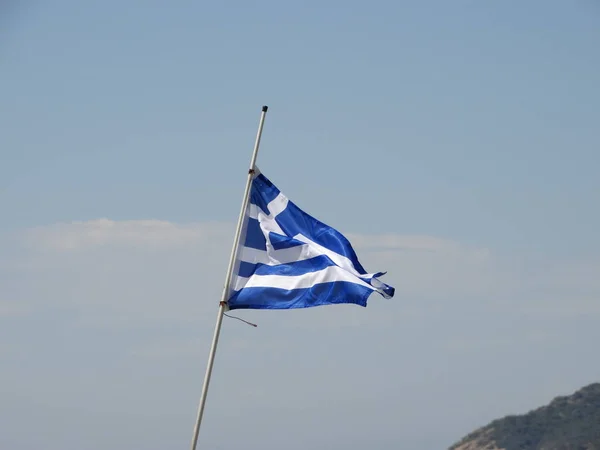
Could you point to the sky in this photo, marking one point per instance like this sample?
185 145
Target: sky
454 143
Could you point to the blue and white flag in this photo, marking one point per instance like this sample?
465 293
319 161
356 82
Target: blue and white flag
287 259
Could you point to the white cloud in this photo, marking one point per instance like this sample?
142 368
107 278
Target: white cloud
152 233
110 272
13 309
404 242
415 263
147 234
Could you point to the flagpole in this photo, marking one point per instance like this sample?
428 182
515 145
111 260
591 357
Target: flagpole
222 303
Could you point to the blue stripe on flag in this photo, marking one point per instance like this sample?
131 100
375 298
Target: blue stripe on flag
280 242
319 294
247 269
263 192
254 235
293 221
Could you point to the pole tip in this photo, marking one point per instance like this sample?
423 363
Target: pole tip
264 108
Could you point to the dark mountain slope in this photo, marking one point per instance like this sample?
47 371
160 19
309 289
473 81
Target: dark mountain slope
567 423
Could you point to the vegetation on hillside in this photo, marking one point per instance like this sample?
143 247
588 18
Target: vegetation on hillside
567 423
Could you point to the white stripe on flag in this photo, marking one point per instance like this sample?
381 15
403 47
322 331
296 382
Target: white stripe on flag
275 257
275 206
298 253
327 275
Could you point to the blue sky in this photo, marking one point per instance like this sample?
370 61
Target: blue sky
455 142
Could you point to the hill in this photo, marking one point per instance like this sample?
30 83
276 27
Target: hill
567 423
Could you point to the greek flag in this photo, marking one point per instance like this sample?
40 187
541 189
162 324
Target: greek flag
287 259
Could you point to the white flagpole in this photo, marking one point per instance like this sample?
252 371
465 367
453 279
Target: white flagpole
222 304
